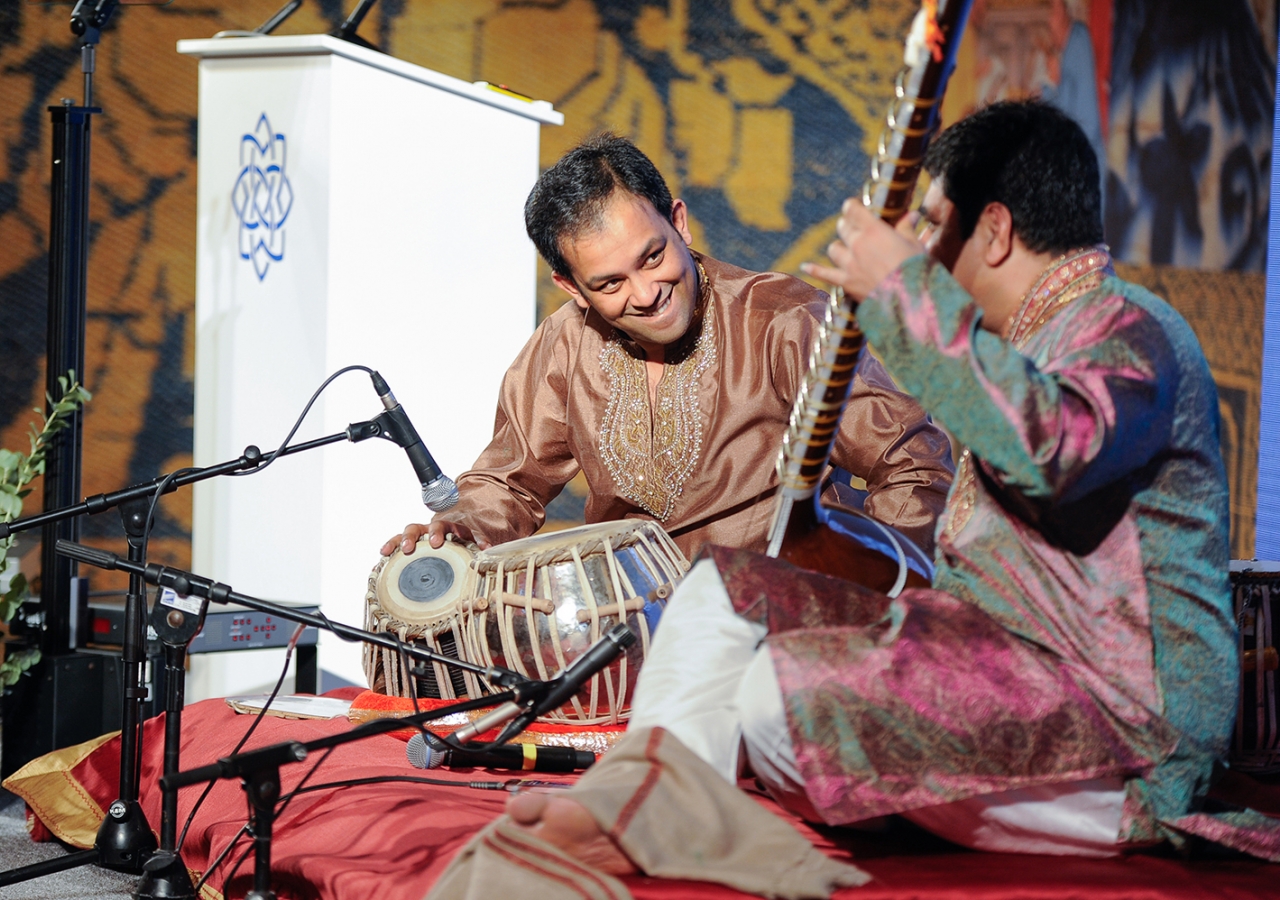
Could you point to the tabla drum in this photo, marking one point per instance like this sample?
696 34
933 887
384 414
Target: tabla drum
544 600
419 598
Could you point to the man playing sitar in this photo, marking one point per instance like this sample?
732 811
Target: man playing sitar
1065 685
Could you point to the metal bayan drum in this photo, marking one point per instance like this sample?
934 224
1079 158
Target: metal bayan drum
420 598
544 600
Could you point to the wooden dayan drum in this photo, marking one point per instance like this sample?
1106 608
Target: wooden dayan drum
420 598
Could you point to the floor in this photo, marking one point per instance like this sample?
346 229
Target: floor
17 849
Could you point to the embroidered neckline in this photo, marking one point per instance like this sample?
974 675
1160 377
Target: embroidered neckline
651 452
1067 278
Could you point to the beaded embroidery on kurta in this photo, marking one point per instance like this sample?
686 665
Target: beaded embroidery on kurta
651 454
1066 278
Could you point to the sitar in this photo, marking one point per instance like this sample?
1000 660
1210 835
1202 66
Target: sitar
805 531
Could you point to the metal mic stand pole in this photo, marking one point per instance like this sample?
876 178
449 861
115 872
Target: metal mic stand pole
165 875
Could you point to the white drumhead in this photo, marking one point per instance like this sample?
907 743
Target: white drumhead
425 586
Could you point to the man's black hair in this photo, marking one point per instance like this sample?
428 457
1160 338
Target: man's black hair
570 196
1034 159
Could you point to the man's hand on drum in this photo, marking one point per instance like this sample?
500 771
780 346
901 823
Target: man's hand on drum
867 249
435 532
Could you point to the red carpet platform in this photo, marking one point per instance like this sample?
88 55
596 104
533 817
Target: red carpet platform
392 840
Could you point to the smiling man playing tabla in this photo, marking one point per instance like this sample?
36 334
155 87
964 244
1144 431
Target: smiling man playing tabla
669 381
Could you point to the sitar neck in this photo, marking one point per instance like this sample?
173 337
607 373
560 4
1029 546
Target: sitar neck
912 118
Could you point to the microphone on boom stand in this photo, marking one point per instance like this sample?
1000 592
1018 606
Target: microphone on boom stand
432 753
519 716
438 490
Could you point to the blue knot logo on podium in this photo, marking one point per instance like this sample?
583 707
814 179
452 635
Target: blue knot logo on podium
262 197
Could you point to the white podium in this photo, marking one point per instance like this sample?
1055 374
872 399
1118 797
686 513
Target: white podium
353 209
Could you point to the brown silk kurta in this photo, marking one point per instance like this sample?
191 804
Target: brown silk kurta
577 397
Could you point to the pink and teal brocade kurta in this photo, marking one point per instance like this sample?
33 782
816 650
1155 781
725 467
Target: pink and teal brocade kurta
1079 624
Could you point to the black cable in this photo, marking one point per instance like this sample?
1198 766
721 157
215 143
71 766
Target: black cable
161 487
239 862
319 614
221 856
271 457
288 798
288 656
411 779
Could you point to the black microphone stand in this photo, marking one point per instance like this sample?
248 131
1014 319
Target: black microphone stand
125 840
259 769
164 875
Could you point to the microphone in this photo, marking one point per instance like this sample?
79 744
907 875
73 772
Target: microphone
438 490
603 652
520 757
518 715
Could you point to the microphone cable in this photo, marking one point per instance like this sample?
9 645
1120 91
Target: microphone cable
161 488
257 720
284 445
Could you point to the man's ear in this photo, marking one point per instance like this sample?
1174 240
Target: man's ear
570 287
996 227
680 221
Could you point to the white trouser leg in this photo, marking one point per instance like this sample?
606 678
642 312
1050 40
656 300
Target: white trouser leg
1080 818
690 680
766 738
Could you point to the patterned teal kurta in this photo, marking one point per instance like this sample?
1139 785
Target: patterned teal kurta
1079 623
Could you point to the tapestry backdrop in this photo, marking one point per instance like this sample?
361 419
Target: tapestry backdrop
760 112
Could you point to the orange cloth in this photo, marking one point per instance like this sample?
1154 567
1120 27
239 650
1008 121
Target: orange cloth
370 705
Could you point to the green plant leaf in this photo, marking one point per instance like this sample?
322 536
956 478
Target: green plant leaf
16 664
17 470
10 506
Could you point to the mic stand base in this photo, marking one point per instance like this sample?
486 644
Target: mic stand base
165 877
125 840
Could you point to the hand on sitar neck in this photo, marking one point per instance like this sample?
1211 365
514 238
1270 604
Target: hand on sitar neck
803 531
866 250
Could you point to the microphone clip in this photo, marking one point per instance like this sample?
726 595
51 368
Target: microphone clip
391 427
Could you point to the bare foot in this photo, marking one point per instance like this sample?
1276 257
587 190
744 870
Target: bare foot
566 824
